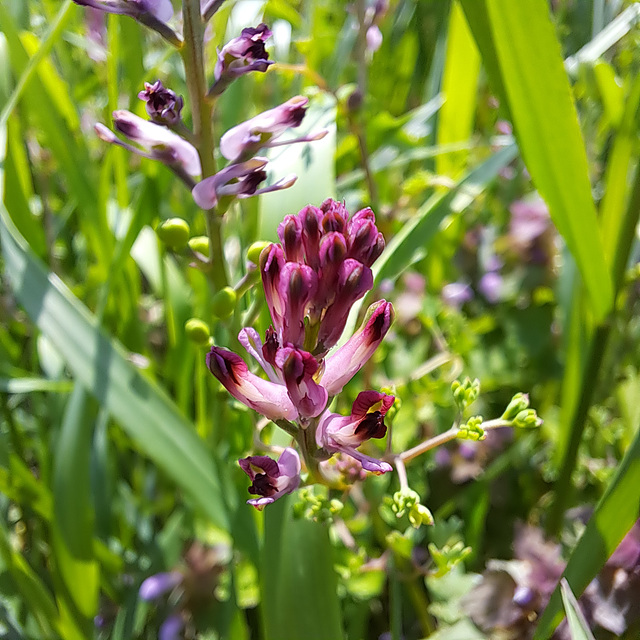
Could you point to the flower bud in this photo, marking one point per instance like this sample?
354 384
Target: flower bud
200 244
197 331
465 393
527 419
472 430
518 403
163 105
174 232
254 251
224 303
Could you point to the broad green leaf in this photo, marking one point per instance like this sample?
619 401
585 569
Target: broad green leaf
142 409
299 598
459 87
546 125
614 516
578 626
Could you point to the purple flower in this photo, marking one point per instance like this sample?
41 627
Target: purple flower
241 55
265 397
270 479
237 181
346 433
490 286
162 10
299 369
296 287
373 38
529 220
171 628
456 294
162 104
159 584
245 139
157 142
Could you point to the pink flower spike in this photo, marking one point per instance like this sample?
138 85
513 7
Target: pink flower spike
298 285
344 363
298 369
270 479
265 397
272 263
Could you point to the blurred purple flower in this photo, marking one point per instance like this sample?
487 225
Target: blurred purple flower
171 628
159 584
455 294
346 433
157 142
373 38
162 10
270 479
261 131
96 34
490 286
237 181
162 104
504 127
529 220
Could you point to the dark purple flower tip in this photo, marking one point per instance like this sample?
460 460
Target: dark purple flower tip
270 346
159 584
335 216
311 218
298 285
298 370
163 105
270 479
366 243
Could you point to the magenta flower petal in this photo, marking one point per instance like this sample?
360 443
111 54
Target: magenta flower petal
297 286
346 361
298 369
268 398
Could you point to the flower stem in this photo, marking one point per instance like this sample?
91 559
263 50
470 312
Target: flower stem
201 109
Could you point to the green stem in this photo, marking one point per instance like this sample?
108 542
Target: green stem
420 604
193 59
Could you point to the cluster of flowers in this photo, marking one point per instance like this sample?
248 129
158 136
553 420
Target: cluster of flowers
163 136
311 280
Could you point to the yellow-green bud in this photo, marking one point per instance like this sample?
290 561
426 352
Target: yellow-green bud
254 251
200 244
472 430
419 515
197 331
465 393
518 403
224 303
527 419
174 232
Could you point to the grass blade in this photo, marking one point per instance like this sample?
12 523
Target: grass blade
577 624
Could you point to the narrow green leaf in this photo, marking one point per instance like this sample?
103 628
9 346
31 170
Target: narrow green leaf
141 407
459 87
546 125
299 598
577 624
29 385
614 516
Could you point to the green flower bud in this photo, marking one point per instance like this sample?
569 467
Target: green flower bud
403 500
465 393
448 556
197 331
174 232
254 251
518 403
224 303
419 515
200 244
527 419
472 430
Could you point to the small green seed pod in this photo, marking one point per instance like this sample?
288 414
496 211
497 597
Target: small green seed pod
197 331
254 251
200 244
224 303
174 232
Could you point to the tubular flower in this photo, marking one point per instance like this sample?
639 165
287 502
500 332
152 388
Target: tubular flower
157 142
346 433
245 139
270 479
241 55
237 181
162 10
268 398
162 104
